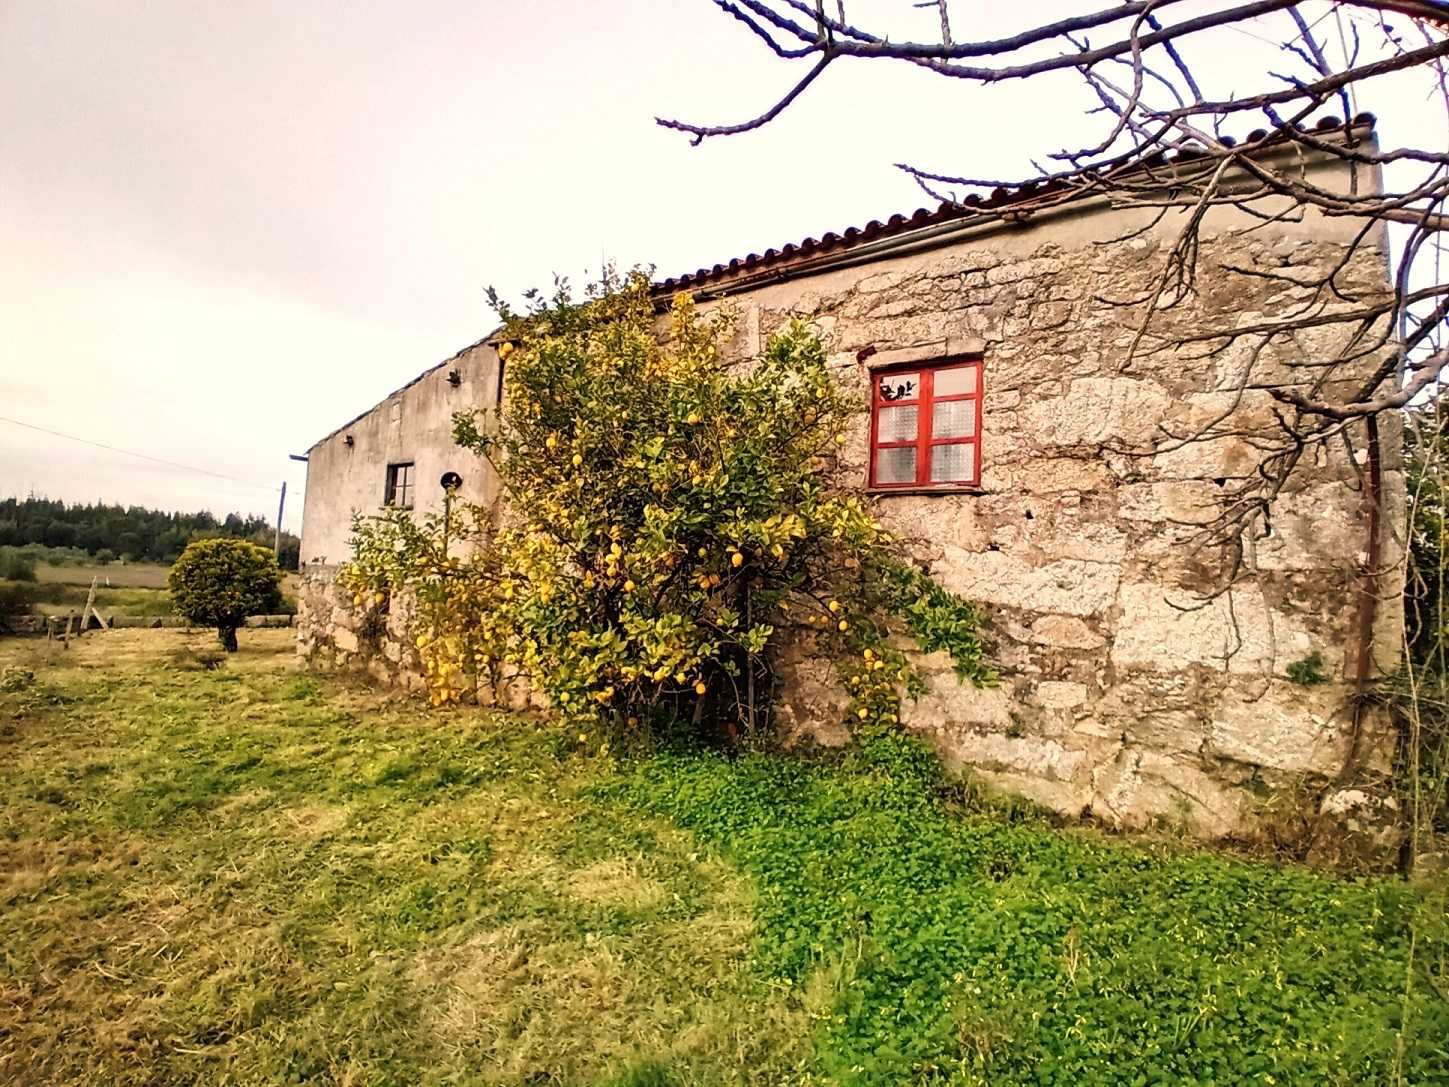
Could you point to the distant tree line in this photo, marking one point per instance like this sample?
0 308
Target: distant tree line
133 533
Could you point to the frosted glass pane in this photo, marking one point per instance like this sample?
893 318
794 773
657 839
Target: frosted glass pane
953 419
953 463
958 382
895 465
900 386
896 425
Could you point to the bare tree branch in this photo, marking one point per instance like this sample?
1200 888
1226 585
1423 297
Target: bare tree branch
1338 345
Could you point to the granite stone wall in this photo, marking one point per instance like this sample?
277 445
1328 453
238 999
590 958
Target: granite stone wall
1142 679
335 634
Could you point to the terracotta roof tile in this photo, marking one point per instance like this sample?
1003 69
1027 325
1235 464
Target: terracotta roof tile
795 253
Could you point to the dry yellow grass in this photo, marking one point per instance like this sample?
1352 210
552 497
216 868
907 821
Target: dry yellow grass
253 876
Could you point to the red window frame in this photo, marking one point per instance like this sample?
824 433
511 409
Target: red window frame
924 401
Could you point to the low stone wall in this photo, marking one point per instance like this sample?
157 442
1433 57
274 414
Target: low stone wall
334 633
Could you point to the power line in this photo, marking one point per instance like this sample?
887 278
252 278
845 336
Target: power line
133 453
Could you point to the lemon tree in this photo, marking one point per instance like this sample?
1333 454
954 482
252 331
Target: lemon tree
668 521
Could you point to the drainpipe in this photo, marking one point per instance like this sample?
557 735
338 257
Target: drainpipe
1368 602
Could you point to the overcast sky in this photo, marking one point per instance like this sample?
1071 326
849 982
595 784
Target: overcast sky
225 229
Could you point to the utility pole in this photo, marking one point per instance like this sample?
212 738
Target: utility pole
281 506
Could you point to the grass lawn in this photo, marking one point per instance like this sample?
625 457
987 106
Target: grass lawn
254 876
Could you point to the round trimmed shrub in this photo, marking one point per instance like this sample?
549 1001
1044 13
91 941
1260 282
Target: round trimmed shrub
218 583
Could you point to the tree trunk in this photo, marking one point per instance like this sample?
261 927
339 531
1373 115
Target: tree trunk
227 637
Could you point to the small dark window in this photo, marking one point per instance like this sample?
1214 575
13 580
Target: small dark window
399 491
926 426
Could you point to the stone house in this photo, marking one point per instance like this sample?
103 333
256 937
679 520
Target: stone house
1010 438
397 453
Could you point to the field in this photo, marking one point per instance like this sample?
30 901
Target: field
119 575
122 589
131 588
248 875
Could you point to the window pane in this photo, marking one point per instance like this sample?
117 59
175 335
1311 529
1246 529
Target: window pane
958 382
953 419
895 465
896 424
900 386
953 463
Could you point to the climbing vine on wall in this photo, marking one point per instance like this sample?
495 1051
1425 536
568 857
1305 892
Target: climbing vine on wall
667 521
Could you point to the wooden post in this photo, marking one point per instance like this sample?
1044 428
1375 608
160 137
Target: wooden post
85 616
277 540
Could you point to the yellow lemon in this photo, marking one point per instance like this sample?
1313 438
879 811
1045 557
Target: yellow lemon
357 600
552 441
862 713
835 605
844 626
379 598
693 419
840 439
869 654
578 460
700 688
737 559
629 586
504 350
563 699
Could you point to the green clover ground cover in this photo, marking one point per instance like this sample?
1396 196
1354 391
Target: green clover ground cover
246 876
968 948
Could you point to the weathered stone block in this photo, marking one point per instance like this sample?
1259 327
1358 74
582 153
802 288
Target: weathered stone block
1192 502
1014 580
1140 786
1096 410
1027 755
1283 726
1163 629
1060 695
1066 632
949 702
